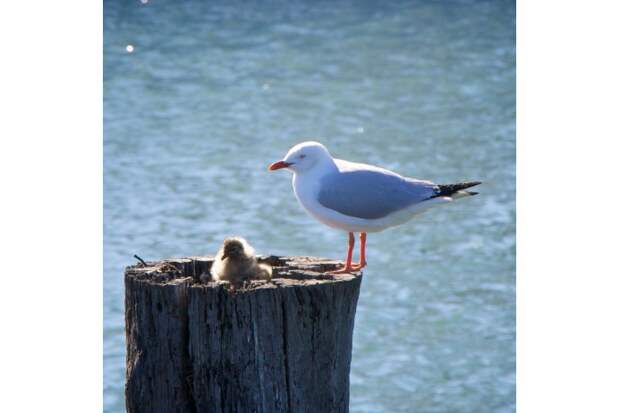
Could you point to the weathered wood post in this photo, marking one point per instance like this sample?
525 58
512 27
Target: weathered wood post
279 346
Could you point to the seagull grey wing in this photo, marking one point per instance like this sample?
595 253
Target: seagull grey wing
372 194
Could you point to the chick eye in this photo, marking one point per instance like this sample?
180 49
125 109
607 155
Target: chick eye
302 156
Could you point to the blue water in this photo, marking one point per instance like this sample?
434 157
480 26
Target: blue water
214 92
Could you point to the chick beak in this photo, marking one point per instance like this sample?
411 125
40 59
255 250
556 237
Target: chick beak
279 165
224 256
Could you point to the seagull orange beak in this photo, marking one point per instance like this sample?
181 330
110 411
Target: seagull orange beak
279 165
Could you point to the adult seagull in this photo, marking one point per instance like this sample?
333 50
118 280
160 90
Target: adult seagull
356 197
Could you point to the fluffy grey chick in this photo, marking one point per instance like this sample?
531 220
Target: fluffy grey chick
235 262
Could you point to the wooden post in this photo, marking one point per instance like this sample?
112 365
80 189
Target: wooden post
279 346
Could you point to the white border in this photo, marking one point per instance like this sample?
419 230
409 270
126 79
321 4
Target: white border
568 320
51 206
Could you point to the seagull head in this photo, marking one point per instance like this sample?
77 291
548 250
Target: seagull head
304 157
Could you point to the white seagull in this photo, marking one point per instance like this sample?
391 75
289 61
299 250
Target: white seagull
356 197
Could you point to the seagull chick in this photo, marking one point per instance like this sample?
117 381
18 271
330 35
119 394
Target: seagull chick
235 262
357 197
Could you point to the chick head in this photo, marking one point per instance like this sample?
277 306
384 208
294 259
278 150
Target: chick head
236 248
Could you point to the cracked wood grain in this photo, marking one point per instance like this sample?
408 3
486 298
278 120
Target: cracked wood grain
280 346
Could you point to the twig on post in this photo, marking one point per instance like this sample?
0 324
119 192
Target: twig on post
144 264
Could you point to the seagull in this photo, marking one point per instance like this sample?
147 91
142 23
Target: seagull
357 197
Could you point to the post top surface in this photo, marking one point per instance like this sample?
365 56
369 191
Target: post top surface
288 271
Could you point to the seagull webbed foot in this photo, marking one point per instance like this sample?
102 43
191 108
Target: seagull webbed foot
357 267
343 270
349 268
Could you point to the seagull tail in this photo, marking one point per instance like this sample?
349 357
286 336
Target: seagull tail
456 191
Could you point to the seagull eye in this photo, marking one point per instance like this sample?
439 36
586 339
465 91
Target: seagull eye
302 156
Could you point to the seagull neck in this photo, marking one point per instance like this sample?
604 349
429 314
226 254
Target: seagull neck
326 166
306 183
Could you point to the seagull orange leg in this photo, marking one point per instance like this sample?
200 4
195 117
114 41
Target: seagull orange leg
347 267
362 262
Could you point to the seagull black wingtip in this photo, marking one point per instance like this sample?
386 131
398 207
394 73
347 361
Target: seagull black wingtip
451 189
